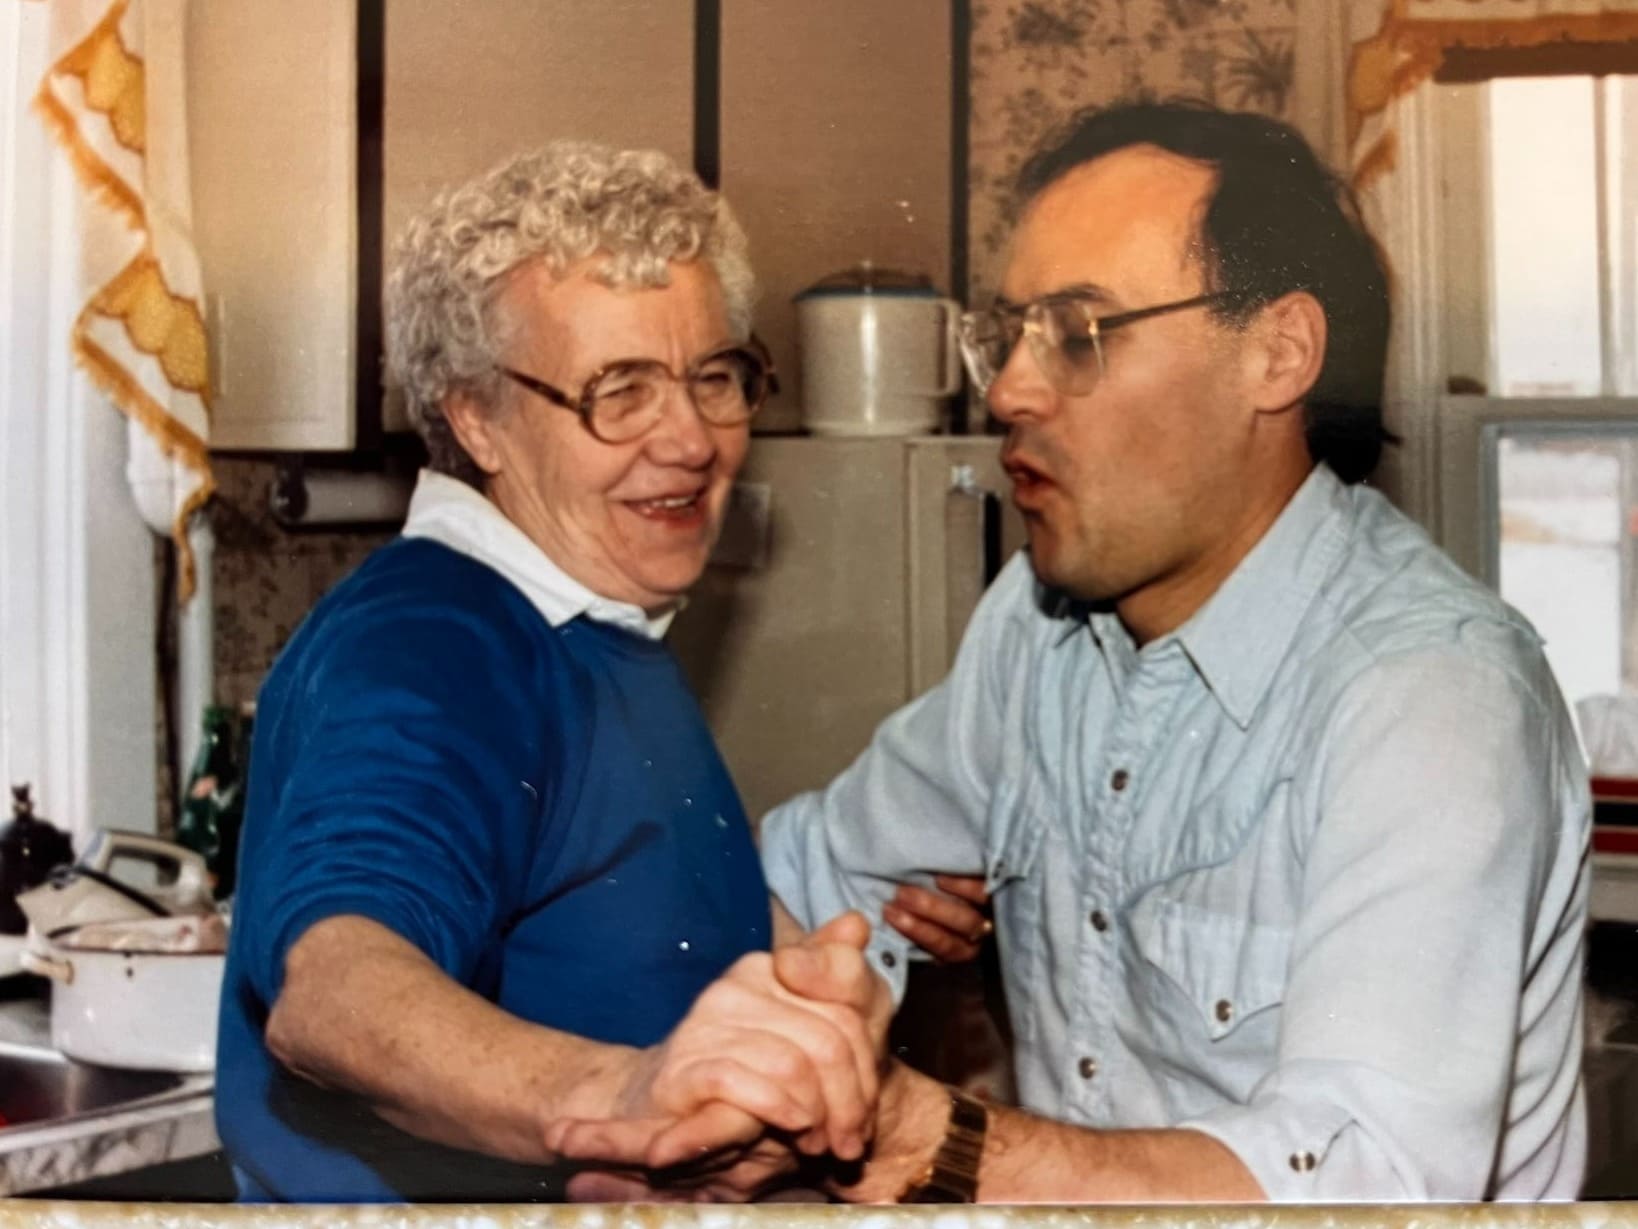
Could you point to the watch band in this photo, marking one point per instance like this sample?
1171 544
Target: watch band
953 1175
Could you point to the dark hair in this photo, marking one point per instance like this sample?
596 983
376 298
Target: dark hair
1279 221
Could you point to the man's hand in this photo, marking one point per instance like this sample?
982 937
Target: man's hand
716 1137
951 927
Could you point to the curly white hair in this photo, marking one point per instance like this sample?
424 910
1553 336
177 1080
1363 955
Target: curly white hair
568 201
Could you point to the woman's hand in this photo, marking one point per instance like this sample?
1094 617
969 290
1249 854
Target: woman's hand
735 1106
790 1040
951 924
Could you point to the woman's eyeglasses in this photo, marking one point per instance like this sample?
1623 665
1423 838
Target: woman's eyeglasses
625 399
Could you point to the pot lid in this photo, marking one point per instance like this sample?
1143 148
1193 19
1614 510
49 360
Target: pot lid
203 934
867 277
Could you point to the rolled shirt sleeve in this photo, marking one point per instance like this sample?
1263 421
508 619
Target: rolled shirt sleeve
915 803
1440 788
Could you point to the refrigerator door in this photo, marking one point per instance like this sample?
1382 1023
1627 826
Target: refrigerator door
963 528
796 639
846 573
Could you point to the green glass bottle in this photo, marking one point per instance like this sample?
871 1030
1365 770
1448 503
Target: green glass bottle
213 802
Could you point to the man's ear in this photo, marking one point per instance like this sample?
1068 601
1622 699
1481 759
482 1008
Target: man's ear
1287 351
474 429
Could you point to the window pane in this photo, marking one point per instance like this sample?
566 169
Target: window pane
1544 237
1566 550
1621 145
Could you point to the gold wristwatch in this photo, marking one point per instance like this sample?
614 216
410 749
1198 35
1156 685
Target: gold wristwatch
953 1175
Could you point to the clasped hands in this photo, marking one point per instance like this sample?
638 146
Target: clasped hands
777 1062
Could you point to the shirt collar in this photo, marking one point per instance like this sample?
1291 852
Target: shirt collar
1238 639
448 511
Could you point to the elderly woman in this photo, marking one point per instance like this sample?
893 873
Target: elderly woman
494 875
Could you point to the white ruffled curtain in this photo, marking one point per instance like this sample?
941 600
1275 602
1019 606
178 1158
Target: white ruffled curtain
114 100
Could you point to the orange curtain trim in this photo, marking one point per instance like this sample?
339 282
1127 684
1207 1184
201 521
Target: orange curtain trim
112 79
161 324
174 440
95 175
1406 52
1382 159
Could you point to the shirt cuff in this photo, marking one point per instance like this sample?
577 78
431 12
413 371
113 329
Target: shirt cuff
1289 1148
798 876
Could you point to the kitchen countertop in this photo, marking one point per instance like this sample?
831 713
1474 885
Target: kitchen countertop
37 1156
179 1125
17 1215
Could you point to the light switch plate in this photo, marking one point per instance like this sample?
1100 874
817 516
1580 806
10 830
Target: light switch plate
745 527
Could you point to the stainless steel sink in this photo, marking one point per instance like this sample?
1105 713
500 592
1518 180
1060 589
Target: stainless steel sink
39 1086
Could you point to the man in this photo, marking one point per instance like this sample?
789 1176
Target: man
1283 817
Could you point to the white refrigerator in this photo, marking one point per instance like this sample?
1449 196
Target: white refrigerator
846 572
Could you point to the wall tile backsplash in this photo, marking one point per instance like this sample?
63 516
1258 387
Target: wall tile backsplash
266 577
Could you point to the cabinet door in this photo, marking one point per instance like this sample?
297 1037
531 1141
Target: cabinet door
836 148
469 84
273 142
273 112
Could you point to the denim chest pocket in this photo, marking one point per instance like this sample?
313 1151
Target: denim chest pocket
1223 975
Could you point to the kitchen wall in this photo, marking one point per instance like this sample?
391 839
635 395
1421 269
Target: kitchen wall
809 203
266 580
1034 62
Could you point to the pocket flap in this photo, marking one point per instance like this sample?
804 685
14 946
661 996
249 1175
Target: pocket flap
1229 968
1016 844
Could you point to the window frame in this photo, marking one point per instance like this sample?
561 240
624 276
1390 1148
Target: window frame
1444 346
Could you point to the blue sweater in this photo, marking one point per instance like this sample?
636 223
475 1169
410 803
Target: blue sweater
541 811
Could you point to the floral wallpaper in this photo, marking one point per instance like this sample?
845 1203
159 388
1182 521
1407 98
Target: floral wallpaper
1034 62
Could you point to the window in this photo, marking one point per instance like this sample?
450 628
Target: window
1537 334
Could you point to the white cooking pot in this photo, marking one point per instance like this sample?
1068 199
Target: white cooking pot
134 994
879 353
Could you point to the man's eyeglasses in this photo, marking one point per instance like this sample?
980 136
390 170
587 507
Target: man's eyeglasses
625 399
1065 337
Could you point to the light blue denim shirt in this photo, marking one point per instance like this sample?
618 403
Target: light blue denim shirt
1308 874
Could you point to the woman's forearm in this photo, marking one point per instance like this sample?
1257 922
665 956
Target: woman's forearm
365 1011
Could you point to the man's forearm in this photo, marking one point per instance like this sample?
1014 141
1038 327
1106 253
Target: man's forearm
365 1011
1031 1159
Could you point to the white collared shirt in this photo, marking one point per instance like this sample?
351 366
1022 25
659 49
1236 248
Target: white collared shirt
448 511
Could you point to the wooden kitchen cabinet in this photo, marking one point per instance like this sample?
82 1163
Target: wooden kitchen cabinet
272 110
836 148
834 136
273 147
469 84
